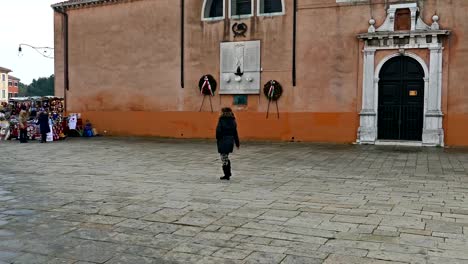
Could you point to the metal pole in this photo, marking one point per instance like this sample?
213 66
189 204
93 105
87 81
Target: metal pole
294 43
182 42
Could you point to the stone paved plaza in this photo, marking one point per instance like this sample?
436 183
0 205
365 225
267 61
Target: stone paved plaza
113 200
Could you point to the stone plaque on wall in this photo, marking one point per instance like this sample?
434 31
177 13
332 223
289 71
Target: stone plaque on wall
240 67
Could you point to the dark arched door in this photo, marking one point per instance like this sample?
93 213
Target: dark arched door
401 100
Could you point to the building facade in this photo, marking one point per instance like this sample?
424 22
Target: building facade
4 84
349 70
13 86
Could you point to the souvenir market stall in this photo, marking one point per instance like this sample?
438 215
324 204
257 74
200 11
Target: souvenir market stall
50 104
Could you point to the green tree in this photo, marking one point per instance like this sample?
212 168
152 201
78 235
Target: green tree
23 89
41 87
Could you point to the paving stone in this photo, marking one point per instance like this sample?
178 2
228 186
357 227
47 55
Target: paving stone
444 227
231 253
214 260
214 235
262 248
252 239
420 241
53 260
6 233
344 259
264 258
438 260
181 257
91 251
336 226
30 259
198 249
395 256
8 255
93 234
372 219
291 259
404 222
281 215
296 237
403 249
103 219
167 215
145 251
197 219
247 212
343 250
125 258
188 231
415 231
19 212
449 254
353 244
134 223
157 228
250 232
232 221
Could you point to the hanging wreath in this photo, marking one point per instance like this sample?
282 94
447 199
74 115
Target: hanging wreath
207 85
273 90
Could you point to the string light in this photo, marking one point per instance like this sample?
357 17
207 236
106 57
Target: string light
46 52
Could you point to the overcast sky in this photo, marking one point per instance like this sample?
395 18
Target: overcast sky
30 22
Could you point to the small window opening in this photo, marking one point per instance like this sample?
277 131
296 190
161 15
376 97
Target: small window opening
403 19
271 6
240 99
241 7
213 9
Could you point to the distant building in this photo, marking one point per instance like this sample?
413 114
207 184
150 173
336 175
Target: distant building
4 84
13 86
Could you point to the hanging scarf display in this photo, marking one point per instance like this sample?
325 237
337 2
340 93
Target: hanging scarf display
273 91
207 86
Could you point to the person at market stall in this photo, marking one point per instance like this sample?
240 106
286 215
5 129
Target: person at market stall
43 122
4 128
2 111
23 125
33 111
226 137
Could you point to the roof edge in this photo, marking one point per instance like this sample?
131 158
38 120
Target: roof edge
77 4
2 69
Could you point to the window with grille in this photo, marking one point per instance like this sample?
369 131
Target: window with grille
241 7
270 7
213 9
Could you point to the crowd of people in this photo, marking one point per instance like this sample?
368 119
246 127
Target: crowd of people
31 118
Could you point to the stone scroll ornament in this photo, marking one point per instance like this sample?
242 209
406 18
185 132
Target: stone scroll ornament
273 91
207 86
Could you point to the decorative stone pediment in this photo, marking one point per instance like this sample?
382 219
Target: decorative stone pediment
416 21
419 35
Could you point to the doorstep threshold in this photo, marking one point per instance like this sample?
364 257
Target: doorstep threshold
406 143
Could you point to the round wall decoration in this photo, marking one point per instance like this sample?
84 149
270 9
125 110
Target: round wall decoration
239 29
273 90
207 85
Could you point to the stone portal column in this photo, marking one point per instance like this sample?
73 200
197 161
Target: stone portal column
433 133
368 130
